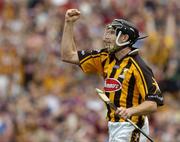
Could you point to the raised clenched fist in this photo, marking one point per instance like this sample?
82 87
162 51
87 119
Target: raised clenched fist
72 15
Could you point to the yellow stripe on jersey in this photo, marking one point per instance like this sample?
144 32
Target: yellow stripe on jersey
136 101
140 88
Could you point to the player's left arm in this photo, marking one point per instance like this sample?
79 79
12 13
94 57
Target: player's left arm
150 93
144 108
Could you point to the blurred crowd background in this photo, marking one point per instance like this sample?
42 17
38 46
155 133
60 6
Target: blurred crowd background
43 99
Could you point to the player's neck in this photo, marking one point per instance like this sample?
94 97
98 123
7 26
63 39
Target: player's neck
120 54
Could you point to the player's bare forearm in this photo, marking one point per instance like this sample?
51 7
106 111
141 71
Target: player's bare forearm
144 108
68 48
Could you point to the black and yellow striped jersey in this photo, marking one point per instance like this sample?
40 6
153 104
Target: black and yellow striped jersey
127 82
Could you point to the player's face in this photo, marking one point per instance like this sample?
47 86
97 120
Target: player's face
109 37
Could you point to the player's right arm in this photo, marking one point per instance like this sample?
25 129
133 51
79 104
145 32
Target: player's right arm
68 47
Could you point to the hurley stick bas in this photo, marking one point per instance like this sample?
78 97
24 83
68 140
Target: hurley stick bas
112 105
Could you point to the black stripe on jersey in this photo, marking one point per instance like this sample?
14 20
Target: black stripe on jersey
85 55
108 107
113 72
104 62
116 100
103 53
129 98
118 93
139 99
112 58
140 122
111 76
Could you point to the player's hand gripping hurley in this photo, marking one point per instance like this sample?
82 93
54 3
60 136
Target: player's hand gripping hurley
112 105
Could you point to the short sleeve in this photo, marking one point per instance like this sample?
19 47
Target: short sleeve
146 83
91 61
